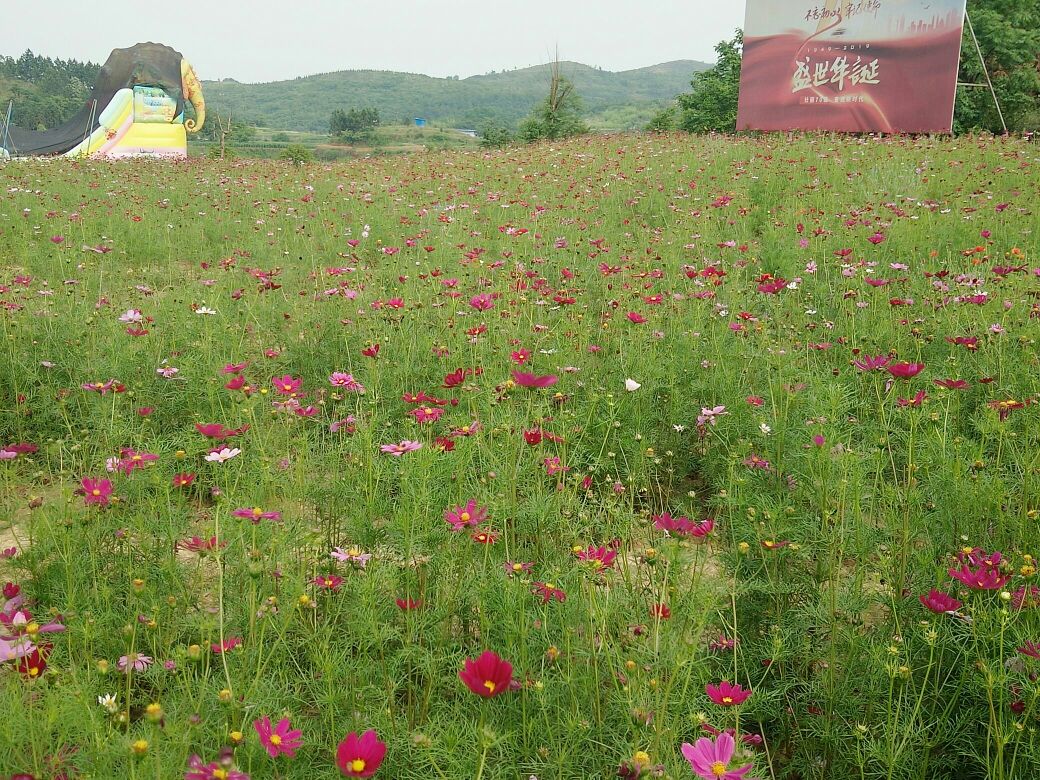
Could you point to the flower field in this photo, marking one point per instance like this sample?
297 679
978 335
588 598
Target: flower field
632 456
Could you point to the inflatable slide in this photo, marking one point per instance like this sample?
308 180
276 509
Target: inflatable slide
135 109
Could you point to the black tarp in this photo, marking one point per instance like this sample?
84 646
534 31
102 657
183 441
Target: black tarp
151 64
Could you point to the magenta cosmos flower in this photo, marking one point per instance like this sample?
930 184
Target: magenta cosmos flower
525 379
278 739
905 370
96 491
487 676
397 450
939 602
197 770
982 578
462 516
360 756
710 760
256 514
726 694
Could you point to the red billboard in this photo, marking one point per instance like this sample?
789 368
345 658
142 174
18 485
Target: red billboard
850 65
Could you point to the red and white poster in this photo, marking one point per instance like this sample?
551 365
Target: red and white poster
850 65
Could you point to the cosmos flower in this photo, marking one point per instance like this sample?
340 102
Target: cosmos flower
469 515
726 694
487 676
223 455
710 760
525 379
96 491
397 450
278 739
360 756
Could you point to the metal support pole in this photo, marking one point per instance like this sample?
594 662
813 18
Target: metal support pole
985 70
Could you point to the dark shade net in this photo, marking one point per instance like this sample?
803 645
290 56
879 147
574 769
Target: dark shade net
151 64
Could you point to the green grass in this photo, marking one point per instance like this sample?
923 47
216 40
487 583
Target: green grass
805 591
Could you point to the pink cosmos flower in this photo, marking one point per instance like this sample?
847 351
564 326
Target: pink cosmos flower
353 555
136 661
525 379
96 491
346 381
726 694
601 557
197 770
481 302
278 739
709 760
426 414
256 514
469 515
871 363
131 459
397 450
328 581
286 385
982 578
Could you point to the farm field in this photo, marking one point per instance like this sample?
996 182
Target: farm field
541 462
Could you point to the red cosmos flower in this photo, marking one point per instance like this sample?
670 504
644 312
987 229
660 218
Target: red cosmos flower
198 770
983 578
455 378
772 286
409 603
601 557
905 370
939 602
952 384
727 695
96 491
286 385
660 611
636 318
183 480
533 437
278 739
520 356
371 351
328 582
1004 408
548 592
488 675
1032 649
525 379
360 756
485 536
34 664
462 516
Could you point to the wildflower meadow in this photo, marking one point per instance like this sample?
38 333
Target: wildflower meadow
628 456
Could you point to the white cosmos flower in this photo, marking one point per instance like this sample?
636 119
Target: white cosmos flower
205 310
632 385
223 454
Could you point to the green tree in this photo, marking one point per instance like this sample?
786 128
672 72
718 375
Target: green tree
494 135
558 115
713 103
1009 36
298 154
354 125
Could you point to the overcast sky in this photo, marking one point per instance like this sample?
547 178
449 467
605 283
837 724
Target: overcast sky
268 40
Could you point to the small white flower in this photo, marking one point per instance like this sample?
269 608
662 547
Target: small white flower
679 428
223 455
205 310
108 701
766 430
632 385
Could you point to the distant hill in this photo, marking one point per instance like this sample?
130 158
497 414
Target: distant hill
506 97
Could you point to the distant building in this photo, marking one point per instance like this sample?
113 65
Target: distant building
470 133
420 122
